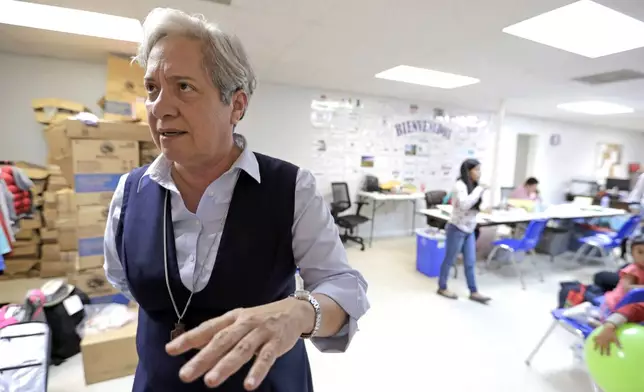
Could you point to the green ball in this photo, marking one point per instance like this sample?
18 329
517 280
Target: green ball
623 369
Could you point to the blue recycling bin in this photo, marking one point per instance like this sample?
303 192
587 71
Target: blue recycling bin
430 252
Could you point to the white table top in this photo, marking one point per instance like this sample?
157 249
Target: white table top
560 211
391 196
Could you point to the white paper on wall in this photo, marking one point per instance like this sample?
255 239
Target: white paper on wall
369 139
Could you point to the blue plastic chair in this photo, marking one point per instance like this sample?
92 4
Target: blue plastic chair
579 329
525 245
606 242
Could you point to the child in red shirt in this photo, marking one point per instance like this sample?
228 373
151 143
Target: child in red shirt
631 277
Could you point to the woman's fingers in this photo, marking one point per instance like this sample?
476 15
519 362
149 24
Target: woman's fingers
213 352
239 355
263 363
199 337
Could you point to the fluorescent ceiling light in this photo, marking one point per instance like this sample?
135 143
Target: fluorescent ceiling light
597 108
585 28
426 77
67 20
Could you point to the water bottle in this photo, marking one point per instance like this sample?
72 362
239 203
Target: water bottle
605 201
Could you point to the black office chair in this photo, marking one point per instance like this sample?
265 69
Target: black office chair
432 199
341 203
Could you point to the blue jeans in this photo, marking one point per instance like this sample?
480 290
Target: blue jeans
458 241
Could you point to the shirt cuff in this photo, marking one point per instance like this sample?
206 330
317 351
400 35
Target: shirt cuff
617 319
349 293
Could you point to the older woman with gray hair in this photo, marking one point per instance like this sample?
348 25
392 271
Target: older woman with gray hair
207 239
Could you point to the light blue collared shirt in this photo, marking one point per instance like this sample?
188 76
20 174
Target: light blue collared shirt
317 248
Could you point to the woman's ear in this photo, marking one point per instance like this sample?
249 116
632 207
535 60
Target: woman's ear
239 103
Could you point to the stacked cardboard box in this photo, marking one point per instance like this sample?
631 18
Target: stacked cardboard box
125 91
148 152
92 160
23 261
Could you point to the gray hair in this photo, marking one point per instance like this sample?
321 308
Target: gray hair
225 59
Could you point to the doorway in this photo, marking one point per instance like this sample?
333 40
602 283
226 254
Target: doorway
525 157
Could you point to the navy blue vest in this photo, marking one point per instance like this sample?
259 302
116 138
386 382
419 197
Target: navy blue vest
254 266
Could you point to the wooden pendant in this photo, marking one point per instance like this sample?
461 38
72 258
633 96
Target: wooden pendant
179 329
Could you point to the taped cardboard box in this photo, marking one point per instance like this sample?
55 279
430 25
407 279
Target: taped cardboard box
26 234
20 267
49 214
99 164
23 249
50 110
48 235
63 267
66 202
110 354
90 253
33 223
59 140
93 282
67 233
50 252
125 90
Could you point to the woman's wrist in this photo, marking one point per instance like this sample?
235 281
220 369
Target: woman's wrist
304 314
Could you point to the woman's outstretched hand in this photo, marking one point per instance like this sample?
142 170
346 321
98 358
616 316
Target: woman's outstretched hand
228 342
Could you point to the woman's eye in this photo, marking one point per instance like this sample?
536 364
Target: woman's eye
185 87
150 88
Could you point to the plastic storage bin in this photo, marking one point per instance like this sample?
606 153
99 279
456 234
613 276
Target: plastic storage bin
430 251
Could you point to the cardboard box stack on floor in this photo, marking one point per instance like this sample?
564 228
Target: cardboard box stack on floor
92 159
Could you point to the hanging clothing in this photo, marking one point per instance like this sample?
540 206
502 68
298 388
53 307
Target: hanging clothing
19 185
6 203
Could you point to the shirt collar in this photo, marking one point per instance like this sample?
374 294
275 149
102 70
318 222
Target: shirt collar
159 170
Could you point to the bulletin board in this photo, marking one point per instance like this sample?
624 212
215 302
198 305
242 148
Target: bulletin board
392 141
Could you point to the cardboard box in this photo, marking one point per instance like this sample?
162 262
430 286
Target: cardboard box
66 202
102 199
125 90
63 267
99 164
90 253
56 183
110 354
93 282
33 223
55 269
59 140
148 152
20 266
67 233
48 235
26 234
50 214
50 252
104 130
48 110
23 249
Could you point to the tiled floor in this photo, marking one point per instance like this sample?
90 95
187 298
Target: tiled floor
412 340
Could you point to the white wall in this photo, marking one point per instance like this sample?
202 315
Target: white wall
574 157
278 123
24 78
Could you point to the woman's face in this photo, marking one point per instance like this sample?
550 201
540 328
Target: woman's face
475 173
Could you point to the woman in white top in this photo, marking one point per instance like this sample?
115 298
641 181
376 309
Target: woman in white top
466 200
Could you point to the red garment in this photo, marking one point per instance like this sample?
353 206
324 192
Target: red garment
634 313
613 297
21 198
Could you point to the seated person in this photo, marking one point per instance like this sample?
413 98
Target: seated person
528 191
631 277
